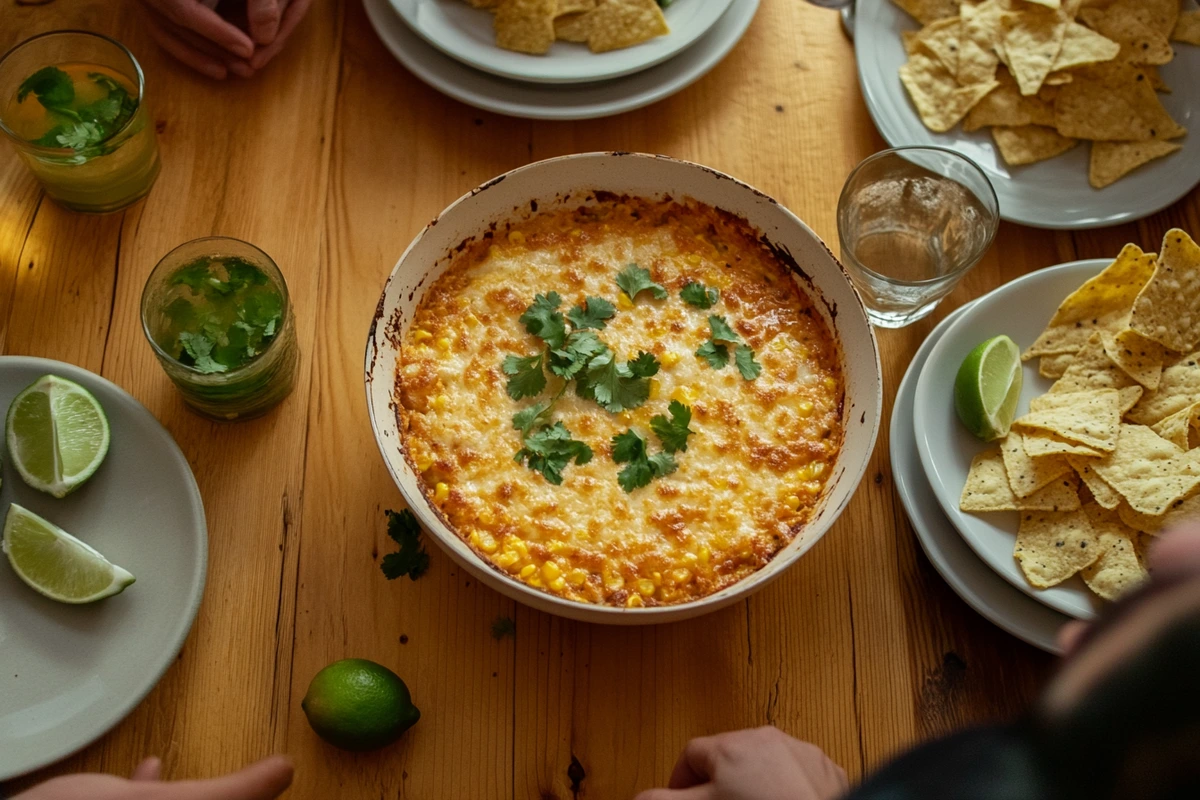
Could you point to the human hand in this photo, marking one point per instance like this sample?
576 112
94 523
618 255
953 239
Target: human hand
264 780
756 764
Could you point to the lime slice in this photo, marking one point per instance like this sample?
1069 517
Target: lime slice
988 387
55 563
57 435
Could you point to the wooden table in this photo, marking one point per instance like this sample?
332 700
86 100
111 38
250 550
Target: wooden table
331 161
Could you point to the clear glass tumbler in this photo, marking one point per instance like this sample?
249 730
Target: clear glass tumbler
912 221
216 312
73 105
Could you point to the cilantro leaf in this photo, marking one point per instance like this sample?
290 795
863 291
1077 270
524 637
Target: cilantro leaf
629 448
717 355
543 320
673 432
411 559
536 415
79 136
550 450
52 86
743 356
698 295
644 366
633 280
721 332
580 348
592 314
198 348
503 626
526 378
663 464
613 385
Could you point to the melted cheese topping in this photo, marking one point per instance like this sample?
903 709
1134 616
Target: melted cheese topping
760 452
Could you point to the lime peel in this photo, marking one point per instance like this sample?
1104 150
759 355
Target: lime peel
57 435
988 388
56 564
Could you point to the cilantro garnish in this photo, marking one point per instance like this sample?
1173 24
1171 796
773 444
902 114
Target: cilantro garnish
526 378
592 314
629 448
673 432
51 85
717 355
543 320
85 125
535 416
698 295
580 347
644 366
411 559
198 348
743 356
616 386
634 280
503 626
550 450
721 332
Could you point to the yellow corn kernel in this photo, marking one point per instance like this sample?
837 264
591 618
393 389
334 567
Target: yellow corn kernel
577 577
684 394
576 233
718 483
558 584
421 335
705 555
669 359
439 402
691 558
535 582
424 463
681 575
830 384
804 408
812 487
654 388
623 301
507 559
792 502
811 471
521 548
487 543
444 344
693 259
558 548
779 343
486 516
645 587
634 601
613 580
527 571
473 321
657 578
516 237
550 571
441 493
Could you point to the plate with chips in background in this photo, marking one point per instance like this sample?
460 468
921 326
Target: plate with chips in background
561 41
1104 453
1079 113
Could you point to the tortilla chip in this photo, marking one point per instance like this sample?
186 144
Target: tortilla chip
1130 396
988 489
1104 494
1112 161
982 30
1055 366
1026 475
1160 15
1186 510
1032 41
574 7
927 11
1168 308
1139 357
1102 302
526 26
1177 428
939 99
1091 368
1047 3
1082 46
1177 390
1187 29
616 24
940 39
1029 144
572 28
1005 105
1054 545
1113 102
1041 443
1140 42
1149 472
1091 417
1118 569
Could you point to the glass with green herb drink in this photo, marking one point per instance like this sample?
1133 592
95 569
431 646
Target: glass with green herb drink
73 104
217 313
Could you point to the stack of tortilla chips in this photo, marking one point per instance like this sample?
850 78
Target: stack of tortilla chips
1045 74
532 26
1111 454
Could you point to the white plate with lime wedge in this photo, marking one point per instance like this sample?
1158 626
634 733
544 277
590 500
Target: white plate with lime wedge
1020 310
71 668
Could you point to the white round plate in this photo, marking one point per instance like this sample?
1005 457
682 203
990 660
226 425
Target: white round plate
540 101
971 579
1053 193
70 673
1020 309
465 33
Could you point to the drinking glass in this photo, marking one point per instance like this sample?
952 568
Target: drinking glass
100 177
239 393
912 221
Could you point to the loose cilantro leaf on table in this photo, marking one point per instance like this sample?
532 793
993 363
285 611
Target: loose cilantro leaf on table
580 348
717 355
526 378
721 332
503 626
613 385
698 295
629 448
543 320
50 85
633 280
673 432
411 559
592 314
550 450
743 356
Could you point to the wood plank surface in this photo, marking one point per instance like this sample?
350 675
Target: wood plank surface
331 160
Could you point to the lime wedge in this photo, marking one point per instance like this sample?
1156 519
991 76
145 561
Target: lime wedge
57 435
988 387
55 563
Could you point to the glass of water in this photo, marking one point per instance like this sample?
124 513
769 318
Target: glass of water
912 221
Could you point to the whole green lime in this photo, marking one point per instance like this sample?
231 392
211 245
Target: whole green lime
359 705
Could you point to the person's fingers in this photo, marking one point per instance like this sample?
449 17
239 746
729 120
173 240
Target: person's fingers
186 54
148 770
698 764
291 18
705 792
1176 552
235 65
208 23
263 17
683 776
264 780
1070 635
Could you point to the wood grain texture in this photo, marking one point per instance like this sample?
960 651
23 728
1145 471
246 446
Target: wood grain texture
331 160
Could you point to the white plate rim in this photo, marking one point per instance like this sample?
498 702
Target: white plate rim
553 67
532 101
157 666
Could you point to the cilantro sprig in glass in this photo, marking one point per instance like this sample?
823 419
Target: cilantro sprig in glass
217 313
73 104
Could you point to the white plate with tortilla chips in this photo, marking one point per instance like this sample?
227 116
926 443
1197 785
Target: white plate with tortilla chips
552 102
530 40
1054 192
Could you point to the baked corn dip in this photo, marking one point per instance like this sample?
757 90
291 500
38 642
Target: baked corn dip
629 402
